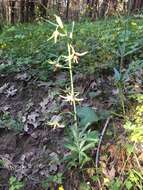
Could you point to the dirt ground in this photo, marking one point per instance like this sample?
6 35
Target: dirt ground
34 152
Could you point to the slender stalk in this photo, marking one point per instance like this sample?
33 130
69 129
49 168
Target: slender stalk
72 84
122 99
123 104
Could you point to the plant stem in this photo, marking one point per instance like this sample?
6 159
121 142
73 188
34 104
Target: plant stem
122 99
71 84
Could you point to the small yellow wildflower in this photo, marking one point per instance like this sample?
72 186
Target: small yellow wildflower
61 188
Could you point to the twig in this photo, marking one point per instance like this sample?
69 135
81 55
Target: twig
138 163
100 141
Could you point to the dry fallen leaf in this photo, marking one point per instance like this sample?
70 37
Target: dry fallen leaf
7 163
2 88
110 174
11 91
44 103
90 172
141 157
22 76
32 119
112 150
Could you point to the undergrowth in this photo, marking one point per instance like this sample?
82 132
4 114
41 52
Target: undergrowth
113 45
109 42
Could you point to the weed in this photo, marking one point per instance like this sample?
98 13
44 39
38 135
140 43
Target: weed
134 129
1 163
14 184
115 184
84 186
80 139
7 122
134 123
104 41
52 180
133 180
119 81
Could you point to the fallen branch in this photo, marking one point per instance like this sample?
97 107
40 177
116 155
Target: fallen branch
100 142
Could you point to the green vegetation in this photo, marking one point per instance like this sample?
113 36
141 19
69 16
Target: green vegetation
14 184
108 43
134 122
52 180
111 48
6 121
79 140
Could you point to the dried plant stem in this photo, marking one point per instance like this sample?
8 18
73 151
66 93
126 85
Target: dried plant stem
100 142
138 163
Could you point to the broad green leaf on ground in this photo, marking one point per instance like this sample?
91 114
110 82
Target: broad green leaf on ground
87 116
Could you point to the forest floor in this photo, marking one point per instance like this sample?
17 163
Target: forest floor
31 153
32 150
35 154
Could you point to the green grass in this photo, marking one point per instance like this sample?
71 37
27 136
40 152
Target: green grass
26 46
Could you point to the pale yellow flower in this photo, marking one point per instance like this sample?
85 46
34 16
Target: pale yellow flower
71 98
61 188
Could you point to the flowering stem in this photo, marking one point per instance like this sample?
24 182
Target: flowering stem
72 85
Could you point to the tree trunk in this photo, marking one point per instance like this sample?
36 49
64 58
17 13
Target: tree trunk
22 8
103 8
31 10
26 11
67 10
12 11
43 7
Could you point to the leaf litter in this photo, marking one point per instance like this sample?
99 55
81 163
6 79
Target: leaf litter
38 105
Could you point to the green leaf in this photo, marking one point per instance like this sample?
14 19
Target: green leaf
129 148
117 75
82 144
74 132
104 114
87 116
95 178
83 131
93 136
90 145
116 184
71 147
128 184
85 159
84 186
